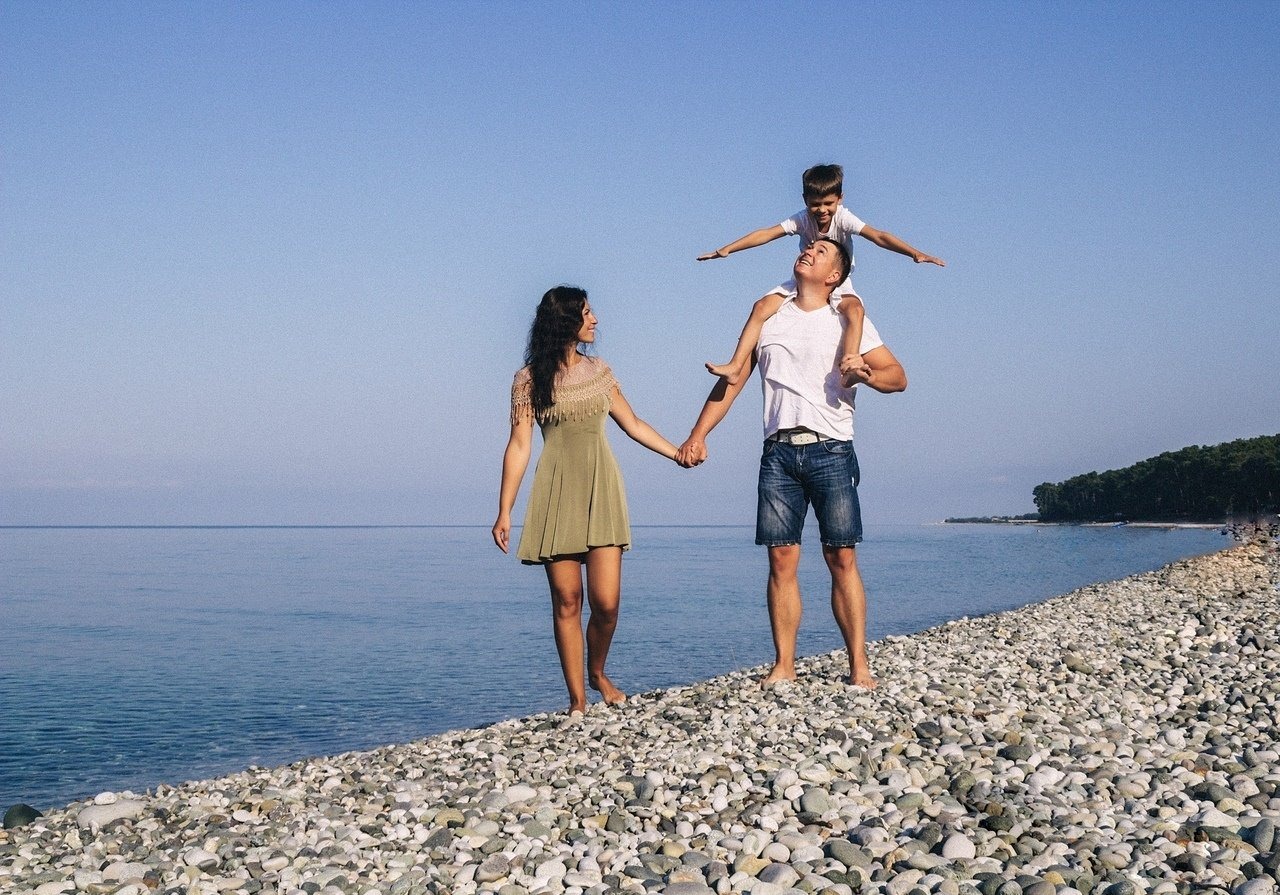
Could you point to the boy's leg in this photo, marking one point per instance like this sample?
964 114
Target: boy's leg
854 313
762 310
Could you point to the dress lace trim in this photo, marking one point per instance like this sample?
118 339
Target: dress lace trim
580 391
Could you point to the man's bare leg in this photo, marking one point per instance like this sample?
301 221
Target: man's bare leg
604 594
849 606
784 611
564 576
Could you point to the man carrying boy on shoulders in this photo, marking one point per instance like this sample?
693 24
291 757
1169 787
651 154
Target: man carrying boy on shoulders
808 457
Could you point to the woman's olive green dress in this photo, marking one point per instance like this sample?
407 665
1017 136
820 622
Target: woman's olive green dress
577 501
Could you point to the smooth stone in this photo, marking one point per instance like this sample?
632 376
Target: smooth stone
101 815
122 870
776 851
20 815
1259 885
957 846
779 875
1262 836
688 888
519 794
494 868
904 882
1121 887
199 858
815 801
105 798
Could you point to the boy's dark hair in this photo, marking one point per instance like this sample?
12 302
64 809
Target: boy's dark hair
846 263
823 180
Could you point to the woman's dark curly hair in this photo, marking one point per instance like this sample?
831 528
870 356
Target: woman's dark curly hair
555 326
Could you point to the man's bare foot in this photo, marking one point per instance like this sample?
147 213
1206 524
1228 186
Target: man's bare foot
727 372
778 675
862 678
578 708
602 685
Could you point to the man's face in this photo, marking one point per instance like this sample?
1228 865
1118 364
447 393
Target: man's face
819 263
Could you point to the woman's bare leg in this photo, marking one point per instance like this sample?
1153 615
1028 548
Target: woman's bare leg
564 576
604 595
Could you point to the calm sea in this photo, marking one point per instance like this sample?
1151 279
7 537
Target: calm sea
131 657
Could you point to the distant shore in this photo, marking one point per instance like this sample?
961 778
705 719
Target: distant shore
1021 520
1119 739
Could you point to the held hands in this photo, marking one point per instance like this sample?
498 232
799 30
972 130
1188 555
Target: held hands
502 532
854 364
691 453
854 370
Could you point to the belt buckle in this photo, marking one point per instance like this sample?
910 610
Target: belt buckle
803 438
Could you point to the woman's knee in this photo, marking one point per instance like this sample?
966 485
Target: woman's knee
566 603
605 615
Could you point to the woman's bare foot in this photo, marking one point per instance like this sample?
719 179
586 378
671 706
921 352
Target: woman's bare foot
727 372
578 708
778 675
602 685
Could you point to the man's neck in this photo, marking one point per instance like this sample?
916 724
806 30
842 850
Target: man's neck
811 296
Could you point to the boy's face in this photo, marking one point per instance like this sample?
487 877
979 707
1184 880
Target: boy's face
822 209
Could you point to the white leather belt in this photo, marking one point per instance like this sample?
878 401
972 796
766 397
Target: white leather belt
798 436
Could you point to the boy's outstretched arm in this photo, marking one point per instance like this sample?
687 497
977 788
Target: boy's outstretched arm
750 241
887 240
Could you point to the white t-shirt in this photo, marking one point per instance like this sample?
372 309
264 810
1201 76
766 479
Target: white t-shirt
845 225
799 363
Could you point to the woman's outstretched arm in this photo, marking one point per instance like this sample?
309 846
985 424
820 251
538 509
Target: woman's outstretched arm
637 429
515 460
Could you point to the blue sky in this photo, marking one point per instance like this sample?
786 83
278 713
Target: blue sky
275 263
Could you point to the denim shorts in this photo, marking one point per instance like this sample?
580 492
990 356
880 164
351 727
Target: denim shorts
793 476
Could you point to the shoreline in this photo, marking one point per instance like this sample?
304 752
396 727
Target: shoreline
1118 739
982 520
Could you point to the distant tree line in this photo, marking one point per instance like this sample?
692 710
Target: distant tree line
1204 484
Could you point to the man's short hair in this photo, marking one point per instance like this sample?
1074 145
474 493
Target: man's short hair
823 180
846 262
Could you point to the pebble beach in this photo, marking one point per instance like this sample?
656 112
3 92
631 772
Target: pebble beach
1119 739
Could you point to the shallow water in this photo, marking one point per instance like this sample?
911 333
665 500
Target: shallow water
132 657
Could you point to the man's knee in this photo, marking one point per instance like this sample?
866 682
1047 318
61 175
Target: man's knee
784 559
841 559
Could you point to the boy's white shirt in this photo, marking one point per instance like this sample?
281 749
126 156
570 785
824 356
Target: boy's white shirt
799 364
845 225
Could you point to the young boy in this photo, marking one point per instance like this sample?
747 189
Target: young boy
823 215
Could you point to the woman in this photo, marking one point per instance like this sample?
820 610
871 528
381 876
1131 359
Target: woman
577 513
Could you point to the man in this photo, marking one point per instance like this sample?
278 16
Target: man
808 453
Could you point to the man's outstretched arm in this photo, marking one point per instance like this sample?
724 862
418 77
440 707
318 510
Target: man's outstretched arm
694 449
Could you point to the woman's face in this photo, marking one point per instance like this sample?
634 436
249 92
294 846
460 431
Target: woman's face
587 332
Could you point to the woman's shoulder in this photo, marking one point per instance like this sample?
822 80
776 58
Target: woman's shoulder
523 376
597 368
